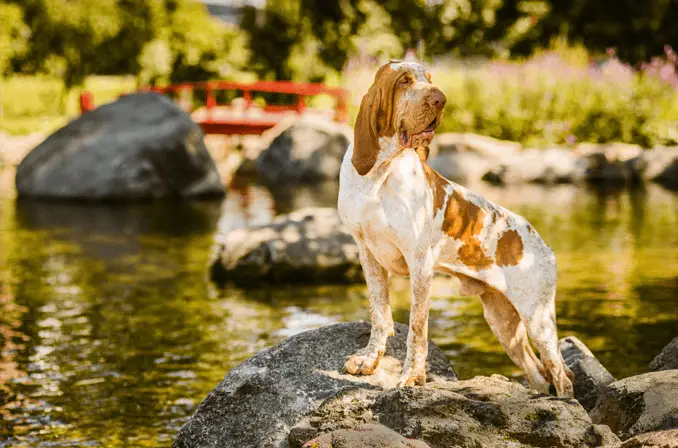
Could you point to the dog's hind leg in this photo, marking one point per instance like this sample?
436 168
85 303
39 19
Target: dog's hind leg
367 359
509 329
541 327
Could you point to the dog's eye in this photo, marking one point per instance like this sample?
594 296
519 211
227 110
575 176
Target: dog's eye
405 81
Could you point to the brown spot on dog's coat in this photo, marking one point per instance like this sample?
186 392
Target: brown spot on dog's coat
509 249
463 219
437 184
473 255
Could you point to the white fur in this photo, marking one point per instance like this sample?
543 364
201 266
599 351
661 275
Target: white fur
389 211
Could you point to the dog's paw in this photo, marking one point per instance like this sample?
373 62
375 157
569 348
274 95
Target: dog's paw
361 364
411 377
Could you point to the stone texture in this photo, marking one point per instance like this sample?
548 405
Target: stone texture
589 373
309 245
639 404
366 436
658 439
258 401
659 165
608 162
305 149
541 166
667 359
481 412
139 147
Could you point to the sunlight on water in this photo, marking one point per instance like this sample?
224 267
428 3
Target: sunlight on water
111 335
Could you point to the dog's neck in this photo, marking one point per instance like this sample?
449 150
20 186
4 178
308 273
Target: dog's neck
389 148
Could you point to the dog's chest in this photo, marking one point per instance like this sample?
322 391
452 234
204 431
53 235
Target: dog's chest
388 212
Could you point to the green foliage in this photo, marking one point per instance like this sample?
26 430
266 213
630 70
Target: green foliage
70 33
13 34
551 98
537 107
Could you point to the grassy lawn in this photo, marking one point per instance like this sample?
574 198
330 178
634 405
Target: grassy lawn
40 104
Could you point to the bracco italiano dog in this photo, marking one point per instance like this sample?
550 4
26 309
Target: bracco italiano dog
409 220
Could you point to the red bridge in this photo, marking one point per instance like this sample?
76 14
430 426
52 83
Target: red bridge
242 115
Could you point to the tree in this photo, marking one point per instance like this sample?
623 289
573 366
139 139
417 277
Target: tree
13 35
71 32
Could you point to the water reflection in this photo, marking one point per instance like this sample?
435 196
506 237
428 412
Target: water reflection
110 333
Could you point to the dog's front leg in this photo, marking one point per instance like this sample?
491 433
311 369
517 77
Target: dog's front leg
367 359
421 274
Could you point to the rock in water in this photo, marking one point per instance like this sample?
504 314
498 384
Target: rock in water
639 404
294 393
667 359
139 147
304 149
258 402
309 245
589 373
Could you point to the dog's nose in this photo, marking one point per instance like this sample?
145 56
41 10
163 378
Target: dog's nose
436 98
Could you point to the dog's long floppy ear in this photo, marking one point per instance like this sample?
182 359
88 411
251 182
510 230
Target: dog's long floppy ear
374 121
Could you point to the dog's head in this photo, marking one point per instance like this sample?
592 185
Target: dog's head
401 102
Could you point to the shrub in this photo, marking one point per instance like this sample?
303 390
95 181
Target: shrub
555 98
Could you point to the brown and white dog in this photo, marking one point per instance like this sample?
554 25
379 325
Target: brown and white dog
409 220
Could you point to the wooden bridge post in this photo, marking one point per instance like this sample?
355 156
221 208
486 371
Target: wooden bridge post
301 104
247 95
341 108
210 101
86 101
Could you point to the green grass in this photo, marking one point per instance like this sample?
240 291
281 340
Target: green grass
39 104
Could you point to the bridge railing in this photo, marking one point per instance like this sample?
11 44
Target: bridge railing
214 122
300 90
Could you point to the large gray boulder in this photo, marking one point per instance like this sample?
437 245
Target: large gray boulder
589 374
258 402
667 359
307 246
639 404
309 148
481 412
295 392
139 147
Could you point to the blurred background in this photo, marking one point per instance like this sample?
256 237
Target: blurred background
531 71
110 332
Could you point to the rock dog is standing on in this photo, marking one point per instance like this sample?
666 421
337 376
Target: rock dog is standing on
409 220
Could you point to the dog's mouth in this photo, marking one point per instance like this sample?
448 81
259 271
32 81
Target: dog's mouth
424 137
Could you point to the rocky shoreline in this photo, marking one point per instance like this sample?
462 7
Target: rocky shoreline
309 149
295 395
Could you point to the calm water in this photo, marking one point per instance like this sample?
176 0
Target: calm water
110 333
